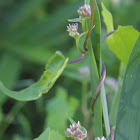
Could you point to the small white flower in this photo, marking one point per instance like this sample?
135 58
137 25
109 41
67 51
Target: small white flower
73 30
74 132
84 11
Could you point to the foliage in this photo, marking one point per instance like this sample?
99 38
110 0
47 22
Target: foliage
58 108
50 135
129 101
118 41
54 68
31 31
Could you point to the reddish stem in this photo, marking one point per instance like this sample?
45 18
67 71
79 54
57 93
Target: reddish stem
105 36
77 60
99 87
112 133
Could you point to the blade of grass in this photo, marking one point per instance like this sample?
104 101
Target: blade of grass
94 76
105 111
97 50
101 101
94 84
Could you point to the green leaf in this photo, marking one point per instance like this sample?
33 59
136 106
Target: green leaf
94 84
54 68
102 103
107 18
128 118
116 99
76 20
57 109
50 135
105 111
118 41
94 60
9 62
95 37
122 41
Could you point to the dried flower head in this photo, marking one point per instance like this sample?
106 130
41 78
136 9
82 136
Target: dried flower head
84 11
74 132
73 30
103 138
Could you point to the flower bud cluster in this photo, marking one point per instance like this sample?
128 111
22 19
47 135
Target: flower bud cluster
84 11
74 132
73 30
103 138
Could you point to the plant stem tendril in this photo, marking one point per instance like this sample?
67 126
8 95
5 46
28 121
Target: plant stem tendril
99 87
105 36
77 60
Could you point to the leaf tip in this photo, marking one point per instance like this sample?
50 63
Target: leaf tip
59 53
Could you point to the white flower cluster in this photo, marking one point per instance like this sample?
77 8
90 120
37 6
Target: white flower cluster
75 132
73 30
84 11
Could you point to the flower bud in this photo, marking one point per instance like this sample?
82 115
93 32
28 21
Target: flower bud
74 132
73 30
84 11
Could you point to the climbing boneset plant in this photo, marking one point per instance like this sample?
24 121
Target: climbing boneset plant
125 43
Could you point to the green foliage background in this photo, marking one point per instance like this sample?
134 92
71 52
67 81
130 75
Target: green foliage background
31 31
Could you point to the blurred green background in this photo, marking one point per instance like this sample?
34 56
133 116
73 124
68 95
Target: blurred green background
31 31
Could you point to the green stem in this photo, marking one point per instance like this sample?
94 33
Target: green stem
100 104
94 75
84 93
99 87
84 103
10 117
78 47
87 1
84 26
91 24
